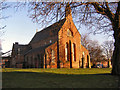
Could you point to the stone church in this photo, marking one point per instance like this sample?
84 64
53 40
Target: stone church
57 46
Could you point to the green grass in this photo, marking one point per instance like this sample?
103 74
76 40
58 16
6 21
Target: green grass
58 78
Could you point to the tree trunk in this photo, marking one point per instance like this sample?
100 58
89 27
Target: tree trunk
116 53
108 63
116 59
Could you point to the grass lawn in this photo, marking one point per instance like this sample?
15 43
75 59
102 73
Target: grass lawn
58 78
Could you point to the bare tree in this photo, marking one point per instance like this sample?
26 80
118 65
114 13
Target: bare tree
100 17
108 47
85 40
0 53
3 7
95 50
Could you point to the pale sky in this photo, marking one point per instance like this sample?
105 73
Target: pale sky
20 28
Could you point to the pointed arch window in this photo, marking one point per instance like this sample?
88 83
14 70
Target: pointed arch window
66 51
74 52
47 56
69 32
53 56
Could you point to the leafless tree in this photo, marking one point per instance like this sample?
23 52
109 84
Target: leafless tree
0 52
3 7
108 47
85 40
100 17
95 50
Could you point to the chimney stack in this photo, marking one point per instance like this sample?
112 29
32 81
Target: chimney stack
36 30
16 42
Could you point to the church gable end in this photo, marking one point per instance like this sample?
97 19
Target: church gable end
56 45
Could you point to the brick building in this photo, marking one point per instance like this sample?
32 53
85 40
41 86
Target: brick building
57 46
5 59
5 62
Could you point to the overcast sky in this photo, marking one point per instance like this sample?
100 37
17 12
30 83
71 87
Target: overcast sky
20 28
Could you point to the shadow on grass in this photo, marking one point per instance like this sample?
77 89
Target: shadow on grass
53 80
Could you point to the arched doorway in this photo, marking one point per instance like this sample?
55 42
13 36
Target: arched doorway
87 61
83 60
70 54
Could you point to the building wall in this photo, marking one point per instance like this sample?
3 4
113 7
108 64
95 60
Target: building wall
51 56
5 61
17 55
75 38
85 54
34 59
47 57
65 39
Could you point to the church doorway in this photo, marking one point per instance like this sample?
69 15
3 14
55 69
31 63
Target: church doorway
83 60
70 55
87 61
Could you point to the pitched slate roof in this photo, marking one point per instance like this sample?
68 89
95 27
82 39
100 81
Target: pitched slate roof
41 48
48 32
